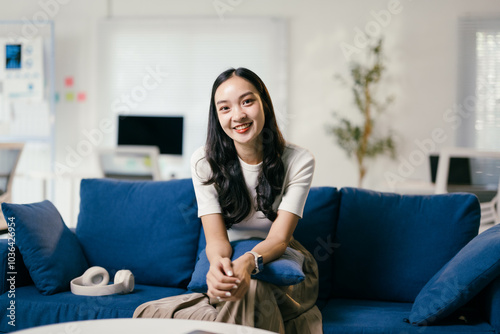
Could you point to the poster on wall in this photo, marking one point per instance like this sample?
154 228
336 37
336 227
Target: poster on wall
21 84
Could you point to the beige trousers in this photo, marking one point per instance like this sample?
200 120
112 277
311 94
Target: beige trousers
281 309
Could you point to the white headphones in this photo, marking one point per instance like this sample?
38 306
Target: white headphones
94 282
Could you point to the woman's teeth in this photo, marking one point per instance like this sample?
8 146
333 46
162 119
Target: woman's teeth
243 126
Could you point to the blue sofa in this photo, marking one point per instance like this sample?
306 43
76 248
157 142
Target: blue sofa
387 263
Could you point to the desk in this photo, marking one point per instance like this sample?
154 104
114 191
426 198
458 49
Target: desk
485 193
150 326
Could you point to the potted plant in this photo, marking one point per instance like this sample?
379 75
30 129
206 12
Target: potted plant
360 140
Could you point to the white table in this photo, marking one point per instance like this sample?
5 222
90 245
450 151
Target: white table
150 326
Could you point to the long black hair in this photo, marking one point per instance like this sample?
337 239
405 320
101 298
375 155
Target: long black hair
221 154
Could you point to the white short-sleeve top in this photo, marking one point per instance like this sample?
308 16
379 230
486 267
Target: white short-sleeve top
299 168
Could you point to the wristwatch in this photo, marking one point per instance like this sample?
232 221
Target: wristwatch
259 263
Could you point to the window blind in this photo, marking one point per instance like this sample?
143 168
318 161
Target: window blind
479 83
191 53
479 94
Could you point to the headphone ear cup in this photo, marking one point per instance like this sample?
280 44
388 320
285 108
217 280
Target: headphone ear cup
95 276
126 278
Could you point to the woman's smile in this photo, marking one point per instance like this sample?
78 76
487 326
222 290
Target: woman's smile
243 127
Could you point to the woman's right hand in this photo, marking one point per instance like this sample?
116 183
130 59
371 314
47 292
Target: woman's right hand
221 281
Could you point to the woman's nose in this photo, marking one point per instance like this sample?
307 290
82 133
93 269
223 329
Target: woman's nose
239 114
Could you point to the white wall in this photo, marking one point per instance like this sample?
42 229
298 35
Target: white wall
421 50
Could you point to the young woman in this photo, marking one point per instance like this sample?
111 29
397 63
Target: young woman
250 183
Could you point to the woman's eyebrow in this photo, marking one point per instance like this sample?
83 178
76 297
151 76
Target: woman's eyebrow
245 94
241 96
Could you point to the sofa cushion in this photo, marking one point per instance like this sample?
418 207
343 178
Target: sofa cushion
34 309
373 317
470 271
50 251
22 275
490 297
284 271
315 231
150 228
391 245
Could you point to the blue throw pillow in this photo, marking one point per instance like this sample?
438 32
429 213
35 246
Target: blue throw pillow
50 251
464 276
287 270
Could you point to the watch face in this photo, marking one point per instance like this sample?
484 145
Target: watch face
260 263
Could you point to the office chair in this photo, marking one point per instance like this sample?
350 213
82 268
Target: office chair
130 162
9 158
488 195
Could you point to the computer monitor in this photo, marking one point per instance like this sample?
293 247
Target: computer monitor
459 170
165 132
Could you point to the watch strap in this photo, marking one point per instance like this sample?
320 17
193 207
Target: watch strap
259 266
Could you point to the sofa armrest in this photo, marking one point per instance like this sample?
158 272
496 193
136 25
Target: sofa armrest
491 299
10 263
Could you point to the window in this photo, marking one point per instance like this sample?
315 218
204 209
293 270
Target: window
479 94
479 83
487 122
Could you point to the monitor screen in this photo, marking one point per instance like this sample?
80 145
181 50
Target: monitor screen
13 56
166 132
458 173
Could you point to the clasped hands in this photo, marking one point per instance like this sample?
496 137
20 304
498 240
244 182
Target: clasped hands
229 280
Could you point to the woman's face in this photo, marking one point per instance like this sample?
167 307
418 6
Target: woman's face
240 111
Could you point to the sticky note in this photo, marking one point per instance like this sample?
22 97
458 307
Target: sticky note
81 97
70 97
68 82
